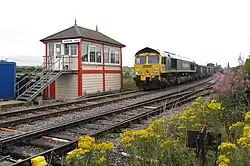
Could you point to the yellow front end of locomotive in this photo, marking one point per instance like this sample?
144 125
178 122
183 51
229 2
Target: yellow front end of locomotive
147 69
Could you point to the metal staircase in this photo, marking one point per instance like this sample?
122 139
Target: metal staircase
35 86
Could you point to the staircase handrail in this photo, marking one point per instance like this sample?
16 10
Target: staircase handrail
42 78
27 83
37 67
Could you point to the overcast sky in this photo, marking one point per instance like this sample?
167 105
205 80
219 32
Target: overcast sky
205 31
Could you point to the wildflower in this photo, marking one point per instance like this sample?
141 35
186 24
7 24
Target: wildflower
246 130
198 99
223 160
247 116
227 147
103 147
244 142
86 142
214 105
127 141
236 126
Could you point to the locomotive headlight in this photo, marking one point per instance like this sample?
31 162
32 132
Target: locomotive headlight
157 73
137 73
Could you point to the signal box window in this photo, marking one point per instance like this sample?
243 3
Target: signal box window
51 49
92 53
66 49
58 49
153 59
73 49
112 56
85 53
98 55
140 60
117 57
106 55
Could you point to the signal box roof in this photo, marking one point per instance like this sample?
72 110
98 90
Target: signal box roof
80 32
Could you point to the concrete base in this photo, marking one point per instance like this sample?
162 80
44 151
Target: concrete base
10 103
38 100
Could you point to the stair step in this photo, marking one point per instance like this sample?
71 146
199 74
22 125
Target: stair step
23 98
26 95
34 90
30 92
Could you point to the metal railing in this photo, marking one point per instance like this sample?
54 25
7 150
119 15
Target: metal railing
49 69
41 80
17 85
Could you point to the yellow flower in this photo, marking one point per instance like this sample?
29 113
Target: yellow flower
86 142
244 142
126 141
247 116
223 160
214 105
246 131
236 126
103 147
227 147
198 99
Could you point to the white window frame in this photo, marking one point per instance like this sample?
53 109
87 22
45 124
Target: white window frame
109 57
63 46
48 49
55 51
115 50
119 56
96 55
76 50
111 49
89 53
88 62
83 45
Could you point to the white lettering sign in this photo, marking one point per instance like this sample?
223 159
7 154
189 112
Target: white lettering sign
71 41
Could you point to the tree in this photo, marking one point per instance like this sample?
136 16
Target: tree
247 65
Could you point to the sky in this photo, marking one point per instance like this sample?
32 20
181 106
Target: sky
206 31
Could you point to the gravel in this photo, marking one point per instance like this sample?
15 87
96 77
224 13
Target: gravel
117 159
49 122
6 134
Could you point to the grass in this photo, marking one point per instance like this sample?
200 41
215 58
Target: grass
129 84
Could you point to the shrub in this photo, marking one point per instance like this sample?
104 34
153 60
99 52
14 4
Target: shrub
90 153
165 141
232 91
237 151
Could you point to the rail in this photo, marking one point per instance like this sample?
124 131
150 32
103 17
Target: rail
72 144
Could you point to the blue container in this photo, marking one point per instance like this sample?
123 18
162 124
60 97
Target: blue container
7 80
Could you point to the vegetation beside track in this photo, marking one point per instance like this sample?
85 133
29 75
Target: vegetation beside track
128 82
226 113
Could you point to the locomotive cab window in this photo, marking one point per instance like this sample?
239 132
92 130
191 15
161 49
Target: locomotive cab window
153 59
140 60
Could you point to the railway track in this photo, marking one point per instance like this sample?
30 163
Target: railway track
66 135
13 118
35 113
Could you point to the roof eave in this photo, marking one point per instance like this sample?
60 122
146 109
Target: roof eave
47 40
